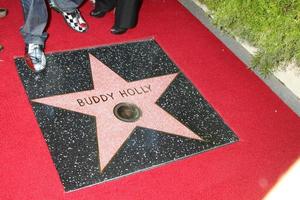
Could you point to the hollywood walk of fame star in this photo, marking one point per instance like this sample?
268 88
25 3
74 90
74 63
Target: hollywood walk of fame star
110 90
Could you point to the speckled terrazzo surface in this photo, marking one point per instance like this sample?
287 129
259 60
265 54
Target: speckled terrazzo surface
71 136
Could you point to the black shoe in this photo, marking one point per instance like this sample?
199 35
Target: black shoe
98 13
118 30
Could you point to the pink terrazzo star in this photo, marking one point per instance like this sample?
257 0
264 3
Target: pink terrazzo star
109 90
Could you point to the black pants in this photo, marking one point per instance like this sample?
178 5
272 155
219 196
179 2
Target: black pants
126 13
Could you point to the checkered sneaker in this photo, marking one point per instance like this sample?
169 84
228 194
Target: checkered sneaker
75 21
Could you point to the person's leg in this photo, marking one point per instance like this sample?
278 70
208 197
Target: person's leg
67 5
126 15
70 12
102 7
35 17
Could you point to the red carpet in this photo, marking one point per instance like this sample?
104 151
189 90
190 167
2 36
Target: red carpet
267 128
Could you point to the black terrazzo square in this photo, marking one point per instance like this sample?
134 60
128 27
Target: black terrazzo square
74 135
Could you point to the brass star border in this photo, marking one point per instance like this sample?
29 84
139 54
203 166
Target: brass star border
183 123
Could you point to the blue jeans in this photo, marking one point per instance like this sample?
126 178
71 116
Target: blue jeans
36 18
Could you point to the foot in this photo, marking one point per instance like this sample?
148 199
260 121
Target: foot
75 21
73 18
35 57
118 30
98 12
